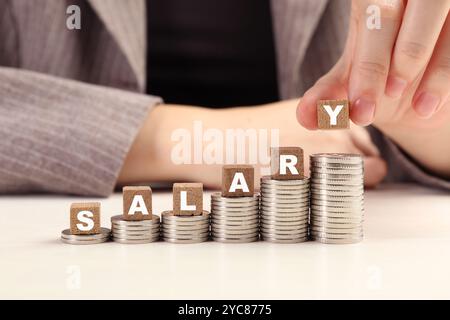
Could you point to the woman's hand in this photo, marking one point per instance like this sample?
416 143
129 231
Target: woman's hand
150 157
396 77
396 74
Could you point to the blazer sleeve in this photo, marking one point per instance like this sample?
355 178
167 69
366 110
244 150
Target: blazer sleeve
401 167
64 136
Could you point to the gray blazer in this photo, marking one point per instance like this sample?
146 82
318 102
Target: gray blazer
71 101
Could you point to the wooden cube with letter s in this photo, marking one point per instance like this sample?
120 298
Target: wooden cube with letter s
85 218
238 181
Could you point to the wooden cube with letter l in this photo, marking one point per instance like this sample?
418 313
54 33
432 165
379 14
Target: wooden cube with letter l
287 163
333 114
187 199
137 203
238 181
85 218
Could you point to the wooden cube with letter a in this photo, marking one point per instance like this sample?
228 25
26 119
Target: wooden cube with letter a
238 181
85 218
137 203
287 163
187 199
333 114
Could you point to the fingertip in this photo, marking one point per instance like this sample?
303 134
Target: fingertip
362 111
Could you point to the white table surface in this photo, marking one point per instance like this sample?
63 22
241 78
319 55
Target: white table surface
405 254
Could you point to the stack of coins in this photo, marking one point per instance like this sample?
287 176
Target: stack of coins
284 210
234 219
135 232
185 229
337 198
78 239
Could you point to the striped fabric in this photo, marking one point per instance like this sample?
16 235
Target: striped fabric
71 101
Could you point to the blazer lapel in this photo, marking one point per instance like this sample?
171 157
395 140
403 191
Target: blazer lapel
127 23
294 23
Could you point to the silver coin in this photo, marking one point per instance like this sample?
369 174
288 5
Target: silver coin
235 225
185 235
334 225
338 241
292 201
135 237
269 180
339 171
118 219
227 231
237 240
337 221
84 242
168 215
135 228
249 219
269 210
278 220
338 182
332 177
121 239
232 234
127 241
346 216
136 233
284 232
274 216
337 187
320 208
236 213
336 198
337 158
104 233
317 234
235 209
266 192
321 164
288 189
337 204
283 205
284 227
331 230
287 241
337 193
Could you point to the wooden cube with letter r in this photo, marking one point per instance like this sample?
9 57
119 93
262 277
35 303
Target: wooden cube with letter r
287 163
187 199
137 203
333 114
238 181
85 218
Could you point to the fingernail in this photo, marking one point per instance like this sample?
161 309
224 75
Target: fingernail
426 104
395 87
363 111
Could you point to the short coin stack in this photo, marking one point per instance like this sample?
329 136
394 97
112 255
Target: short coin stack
135 232
79 239
337 198
234 219
284 210
185 229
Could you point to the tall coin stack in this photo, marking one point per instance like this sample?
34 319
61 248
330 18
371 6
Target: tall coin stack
185 229
234 219
284 210
235 211
135 232
337 198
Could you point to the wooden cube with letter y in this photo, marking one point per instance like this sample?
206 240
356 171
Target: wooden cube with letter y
137 203
85 218
187 199
238 181
287 163
333 114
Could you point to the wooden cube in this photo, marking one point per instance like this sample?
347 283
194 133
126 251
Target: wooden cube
85 218
238 181
187 199
137 203
287 163
333 114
